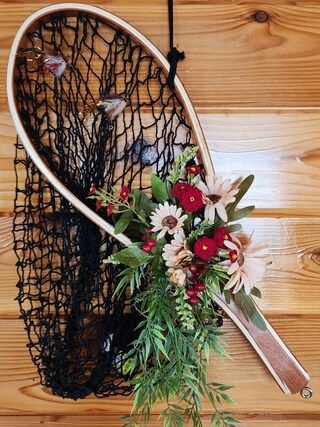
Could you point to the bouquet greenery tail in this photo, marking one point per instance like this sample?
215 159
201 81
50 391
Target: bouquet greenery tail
187 246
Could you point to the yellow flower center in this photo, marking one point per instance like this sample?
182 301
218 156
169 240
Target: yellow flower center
204 247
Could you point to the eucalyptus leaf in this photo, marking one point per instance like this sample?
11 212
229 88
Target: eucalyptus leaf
256 292
249 309
241 213
234 227
158 188
131 256
243 188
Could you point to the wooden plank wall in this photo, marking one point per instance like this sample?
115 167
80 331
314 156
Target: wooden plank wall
256 86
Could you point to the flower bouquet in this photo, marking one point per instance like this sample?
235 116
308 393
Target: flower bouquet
188 247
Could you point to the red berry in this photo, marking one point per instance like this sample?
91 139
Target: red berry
149 230
193 269
124 192
200 287
146 248
92 189
193 300
192 292
201 268
110 208
152 243
145 238
98 204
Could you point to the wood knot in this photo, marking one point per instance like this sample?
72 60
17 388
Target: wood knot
260 16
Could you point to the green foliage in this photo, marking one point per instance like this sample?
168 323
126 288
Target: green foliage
184 309
158 188
131 256
177 171
129 276
178 356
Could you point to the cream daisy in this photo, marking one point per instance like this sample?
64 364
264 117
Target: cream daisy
218 194
176 251
167 219
246 264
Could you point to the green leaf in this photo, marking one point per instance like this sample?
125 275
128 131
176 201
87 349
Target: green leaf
243 188
158 188
256 292
234 227
142 203
123 222
160 346
131 256
241 213
249 309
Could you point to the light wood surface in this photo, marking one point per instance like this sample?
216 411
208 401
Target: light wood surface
256 86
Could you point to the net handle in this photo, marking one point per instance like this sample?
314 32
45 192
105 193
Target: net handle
284 367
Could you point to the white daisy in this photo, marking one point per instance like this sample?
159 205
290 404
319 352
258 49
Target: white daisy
246 264
218 194
176 251
167 219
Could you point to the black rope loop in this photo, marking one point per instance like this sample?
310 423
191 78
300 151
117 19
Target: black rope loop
174 55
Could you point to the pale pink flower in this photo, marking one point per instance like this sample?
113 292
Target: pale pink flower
246 264
218 194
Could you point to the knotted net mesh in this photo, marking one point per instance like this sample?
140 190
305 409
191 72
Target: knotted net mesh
77 331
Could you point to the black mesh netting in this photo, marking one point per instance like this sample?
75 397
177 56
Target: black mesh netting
77 332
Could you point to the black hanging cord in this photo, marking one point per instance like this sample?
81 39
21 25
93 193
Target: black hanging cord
174 55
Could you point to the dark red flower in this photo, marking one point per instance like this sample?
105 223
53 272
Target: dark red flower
205 248
110 209
221 234
179 188
124 192
191 199
98 204
193 169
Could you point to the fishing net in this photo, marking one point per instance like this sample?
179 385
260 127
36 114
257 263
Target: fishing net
78 333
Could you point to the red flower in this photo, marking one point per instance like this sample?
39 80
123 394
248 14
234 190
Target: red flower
205 248
110 208
191 199
124 192
193 169
179 188
221 234
98 204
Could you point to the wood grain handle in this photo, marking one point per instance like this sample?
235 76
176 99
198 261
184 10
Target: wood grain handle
284 367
